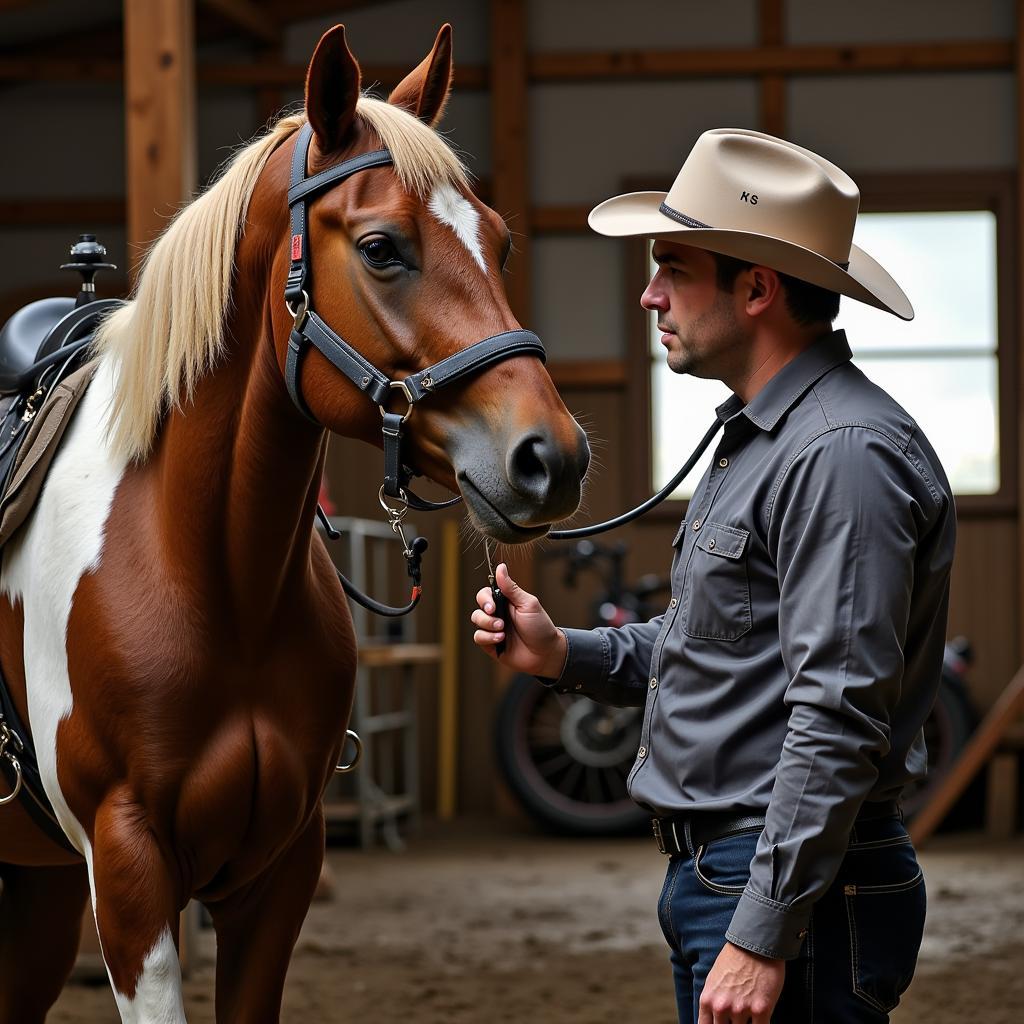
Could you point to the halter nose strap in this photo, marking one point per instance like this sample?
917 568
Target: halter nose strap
310 330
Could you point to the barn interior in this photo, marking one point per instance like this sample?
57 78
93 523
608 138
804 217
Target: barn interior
466 881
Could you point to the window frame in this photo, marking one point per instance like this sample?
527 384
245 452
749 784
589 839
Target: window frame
880 193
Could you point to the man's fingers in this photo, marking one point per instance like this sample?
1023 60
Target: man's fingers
485 621
485 600
483 638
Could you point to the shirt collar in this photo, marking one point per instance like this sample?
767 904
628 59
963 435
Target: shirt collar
785 389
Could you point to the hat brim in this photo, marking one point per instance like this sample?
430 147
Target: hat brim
637 214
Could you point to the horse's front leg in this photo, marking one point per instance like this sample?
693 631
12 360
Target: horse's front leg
137 899
257 928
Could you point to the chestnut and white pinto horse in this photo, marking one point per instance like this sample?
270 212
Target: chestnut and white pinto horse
171 627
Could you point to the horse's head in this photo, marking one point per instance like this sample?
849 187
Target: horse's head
406 265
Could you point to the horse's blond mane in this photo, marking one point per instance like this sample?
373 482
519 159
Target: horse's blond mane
172 332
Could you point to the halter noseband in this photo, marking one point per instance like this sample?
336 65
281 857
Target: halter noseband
309 330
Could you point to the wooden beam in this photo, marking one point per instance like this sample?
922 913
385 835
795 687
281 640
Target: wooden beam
285 11
61 212
1004 714
645 65
773 86
247 16
510 142
782 60
160 135
1016 281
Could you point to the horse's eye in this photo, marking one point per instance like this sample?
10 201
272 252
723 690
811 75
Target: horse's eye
380 252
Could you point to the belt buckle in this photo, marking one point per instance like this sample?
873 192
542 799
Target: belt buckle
658 837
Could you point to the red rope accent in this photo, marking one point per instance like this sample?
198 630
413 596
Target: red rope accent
416 591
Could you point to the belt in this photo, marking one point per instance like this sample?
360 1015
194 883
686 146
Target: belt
687 833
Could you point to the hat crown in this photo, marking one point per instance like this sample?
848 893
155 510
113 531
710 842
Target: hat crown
748 181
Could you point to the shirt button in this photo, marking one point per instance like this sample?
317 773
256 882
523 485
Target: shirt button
642 752
673 603
711 544
723 463
654 684
696 524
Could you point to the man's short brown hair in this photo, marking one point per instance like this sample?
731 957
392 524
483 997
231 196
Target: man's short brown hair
807 303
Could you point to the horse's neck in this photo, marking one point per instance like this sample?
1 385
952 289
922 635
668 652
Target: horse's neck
238 474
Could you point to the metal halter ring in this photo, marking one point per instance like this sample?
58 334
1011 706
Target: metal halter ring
408 397
354 737
8 737
298 315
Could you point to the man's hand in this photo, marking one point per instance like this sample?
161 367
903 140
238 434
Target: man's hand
534 644
742 988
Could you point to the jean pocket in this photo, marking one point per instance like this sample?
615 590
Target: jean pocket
886 926
717 588
723 865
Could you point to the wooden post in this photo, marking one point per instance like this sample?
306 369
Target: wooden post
452 608
510 142
773 87
160 116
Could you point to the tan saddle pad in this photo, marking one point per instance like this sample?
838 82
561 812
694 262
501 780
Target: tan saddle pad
40 446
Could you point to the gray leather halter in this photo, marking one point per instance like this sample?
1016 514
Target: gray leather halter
311 331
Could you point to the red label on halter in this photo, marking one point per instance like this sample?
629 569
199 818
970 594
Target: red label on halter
296 247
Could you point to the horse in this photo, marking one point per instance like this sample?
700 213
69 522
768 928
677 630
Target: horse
171 626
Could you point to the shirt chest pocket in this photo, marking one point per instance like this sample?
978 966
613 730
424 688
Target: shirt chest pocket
716 592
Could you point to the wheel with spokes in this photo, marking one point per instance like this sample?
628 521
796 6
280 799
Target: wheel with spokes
567 758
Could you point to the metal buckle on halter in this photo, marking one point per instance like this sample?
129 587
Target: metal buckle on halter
298 314
9 737
352 735
408 397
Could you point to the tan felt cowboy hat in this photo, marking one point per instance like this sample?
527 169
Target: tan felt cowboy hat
761 200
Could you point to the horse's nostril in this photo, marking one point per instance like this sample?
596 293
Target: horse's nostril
533 466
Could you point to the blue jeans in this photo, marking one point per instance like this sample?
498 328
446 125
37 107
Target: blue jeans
865 931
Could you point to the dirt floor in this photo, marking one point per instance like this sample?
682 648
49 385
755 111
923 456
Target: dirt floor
523 928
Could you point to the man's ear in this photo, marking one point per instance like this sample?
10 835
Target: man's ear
424 91
765 287
332 89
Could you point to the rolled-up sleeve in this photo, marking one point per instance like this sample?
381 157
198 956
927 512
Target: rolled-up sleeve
610 664
843 529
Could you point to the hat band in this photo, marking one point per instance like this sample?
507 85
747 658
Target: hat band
692 222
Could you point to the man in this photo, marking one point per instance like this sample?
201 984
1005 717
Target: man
787 682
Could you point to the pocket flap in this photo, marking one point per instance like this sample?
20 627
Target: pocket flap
724 541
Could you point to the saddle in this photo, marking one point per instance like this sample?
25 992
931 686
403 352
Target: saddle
45 369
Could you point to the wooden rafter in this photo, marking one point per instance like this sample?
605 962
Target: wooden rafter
253 20
574 67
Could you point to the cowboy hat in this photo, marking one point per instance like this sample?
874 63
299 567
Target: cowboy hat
761 200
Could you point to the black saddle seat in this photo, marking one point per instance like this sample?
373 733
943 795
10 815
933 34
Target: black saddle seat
40 329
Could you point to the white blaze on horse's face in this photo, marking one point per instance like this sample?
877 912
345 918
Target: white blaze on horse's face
450 207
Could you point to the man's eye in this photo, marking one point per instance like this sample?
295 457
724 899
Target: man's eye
380 252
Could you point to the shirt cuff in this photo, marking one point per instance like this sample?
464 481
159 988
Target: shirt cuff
586 662
769 928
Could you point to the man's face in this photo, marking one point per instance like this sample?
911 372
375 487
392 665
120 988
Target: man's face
697 319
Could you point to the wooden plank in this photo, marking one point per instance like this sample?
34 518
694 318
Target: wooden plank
510 142
1001 796
160 135
995 55
589 374
59 212
783 60
399 654
1003 716
253 20
773 86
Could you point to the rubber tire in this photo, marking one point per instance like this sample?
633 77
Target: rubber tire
542 802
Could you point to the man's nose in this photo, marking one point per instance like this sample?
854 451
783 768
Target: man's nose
653 298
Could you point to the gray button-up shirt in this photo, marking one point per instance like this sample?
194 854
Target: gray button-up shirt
801 652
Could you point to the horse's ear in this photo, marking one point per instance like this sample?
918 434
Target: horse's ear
332 89
424 91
